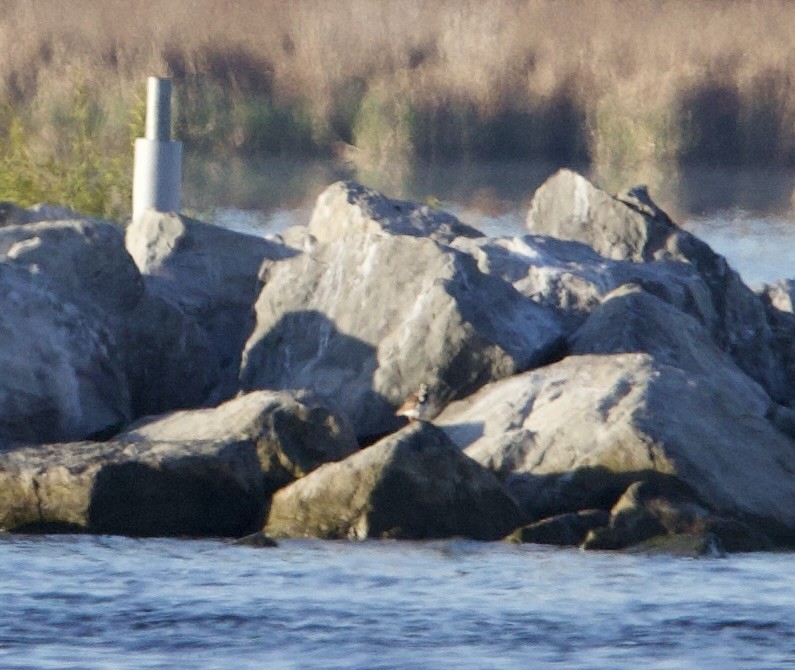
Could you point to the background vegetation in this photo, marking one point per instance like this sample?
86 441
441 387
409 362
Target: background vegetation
623 86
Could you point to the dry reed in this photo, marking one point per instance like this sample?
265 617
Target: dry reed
620 84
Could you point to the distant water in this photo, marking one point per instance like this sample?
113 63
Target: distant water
110 602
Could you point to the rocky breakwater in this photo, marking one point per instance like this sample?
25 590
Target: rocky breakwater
605 380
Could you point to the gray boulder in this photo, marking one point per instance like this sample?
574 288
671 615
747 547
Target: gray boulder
193 473
572 278
651 513
574 435
630 320
293 434
62 377
165 357
348 208
364 321
563 530
631 227
208 272
140 488
413 484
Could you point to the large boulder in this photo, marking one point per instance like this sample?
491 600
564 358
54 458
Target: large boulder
138 488
207 472
572 278
348 208
210 273
62 377
630 320
574 435
366 320
293 433
413 484
631 227
85 261
166 358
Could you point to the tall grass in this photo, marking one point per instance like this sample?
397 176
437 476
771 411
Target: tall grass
623 85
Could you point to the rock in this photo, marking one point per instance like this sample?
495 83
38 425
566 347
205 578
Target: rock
293 434
364 321
574 435
168 357
568 207
631 320
348 208
563 529
210 273
200 473
259 539
661 509
11 215
412 484
572 278
632 227
165 357
62 377
779 298
139 489
84 261
296 237
682 545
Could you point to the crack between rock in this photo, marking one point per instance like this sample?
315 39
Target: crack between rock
36 488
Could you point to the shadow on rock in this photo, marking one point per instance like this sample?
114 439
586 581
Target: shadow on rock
174 498
305 350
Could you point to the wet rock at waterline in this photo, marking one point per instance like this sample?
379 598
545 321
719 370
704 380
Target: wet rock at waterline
208 272
574 435
200 473
139 488
631 227
366 320
652 513
412 484
564 530
348 208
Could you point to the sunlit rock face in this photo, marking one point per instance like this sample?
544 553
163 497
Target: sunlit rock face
365 320
630 226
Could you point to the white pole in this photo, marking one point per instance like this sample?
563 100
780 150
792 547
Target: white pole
157 172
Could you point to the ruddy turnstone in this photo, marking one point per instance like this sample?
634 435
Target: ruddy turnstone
414 407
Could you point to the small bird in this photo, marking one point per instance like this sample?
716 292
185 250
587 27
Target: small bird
414 407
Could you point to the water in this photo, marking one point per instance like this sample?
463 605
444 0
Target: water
110 602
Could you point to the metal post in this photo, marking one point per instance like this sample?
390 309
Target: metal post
157 173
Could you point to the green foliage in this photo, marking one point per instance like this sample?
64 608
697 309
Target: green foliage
73 171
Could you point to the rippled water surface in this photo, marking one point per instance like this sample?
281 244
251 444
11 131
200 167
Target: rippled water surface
107 602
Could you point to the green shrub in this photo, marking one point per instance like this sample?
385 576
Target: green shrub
76 170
